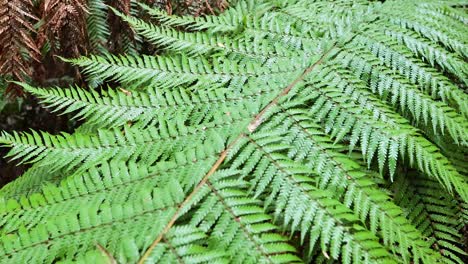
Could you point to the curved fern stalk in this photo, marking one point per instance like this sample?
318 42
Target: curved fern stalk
97 26
349 182
381 139
398 58
234 141
431 52
176 70
409 98
302 207
252 127
117 180
432 212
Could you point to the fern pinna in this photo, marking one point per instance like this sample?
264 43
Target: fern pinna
277 132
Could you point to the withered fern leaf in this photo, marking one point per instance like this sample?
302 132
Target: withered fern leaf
17 47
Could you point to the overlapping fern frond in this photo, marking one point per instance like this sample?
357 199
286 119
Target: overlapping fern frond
277 132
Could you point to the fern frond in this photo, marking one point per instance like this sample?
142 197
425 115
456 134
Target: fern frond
82 151
348 180
445 10
292 193
30 182
289 142
229 21
97 26
238 224
198 43
398 91
432 212
448 24
431 52
246 220
378 138
166 72
72 231
429 80
114 109
432 34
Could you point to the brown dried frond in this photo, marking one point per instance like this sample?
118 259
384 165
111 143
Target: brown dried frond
121 33
17 47
64 27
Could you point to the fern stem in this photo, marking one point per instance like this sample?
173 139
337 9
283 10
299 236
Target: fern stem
253 125
181 206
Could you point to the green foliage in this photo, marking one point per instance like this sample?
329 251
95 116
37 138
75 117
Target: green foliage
277 132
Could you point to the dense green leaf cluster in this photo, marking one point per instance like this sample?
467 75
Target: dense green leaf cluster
277 132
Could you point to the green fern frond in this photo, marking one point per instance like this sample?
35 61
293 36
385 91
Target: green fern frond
432 212
278 132
97 26
432 34
430 81
113 109
446 10
347 180
431 52
31 182
293 195
198 43
71 231
389 87
448 24
377 138
231 20
173 71
82 151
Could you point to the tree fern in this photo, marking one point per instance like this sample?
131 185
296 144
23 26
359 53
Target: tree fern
277 132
